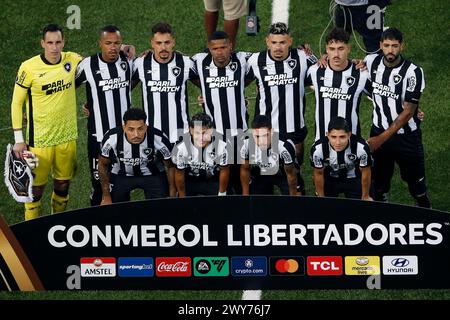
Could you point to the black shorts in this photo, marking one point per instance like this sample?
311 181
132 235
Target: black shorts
154 186
404 149
265 184
199 187
350 187
296 137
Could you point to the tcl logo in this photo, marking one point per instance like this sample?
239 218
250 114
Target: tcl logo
173 267
324 266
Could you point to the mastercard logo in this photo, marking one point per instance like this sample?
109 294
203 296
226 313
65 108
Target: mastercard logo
286 266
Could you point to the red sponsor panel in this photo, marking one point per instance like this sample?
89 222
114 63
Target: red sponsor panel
324 266
173 267
97 260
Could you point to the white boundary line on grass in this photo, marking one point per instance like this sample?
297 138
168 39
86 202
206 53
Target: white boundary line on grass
251 294
280 11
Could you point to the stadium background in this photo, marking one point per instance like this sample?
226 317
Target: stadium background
426 29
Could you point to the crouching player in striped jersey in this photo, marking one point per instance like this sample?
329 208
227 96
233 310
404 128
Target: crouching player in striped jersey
132 151
268 161
201 160
341 162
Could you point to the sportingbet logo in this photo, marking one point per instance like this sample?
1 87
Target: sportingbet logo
324 266
211 267
400 265
287 266
136 267
98 267
173 267
362 265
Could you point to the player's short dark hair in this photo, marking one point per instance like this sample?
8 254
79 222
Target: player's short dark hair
279 28
338 34
338 123
218 35
134 114
109 29
202 118
261 121
392 34
162 27
52 27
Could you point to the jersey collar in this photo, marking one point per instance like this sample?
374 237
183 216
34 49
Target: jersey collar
48 62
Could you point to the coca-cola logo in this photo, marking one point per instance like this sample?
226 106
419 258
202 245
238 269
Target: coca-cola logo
173 267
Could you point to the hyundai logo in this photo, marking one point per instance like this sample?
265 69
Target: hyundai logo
400 262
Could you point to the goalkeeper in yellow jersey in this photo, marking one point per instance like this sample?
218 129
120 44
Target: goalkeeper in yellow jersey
46 83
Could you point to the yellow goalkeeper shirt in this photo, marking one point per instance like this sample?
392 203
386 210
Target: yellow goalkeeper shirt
49 92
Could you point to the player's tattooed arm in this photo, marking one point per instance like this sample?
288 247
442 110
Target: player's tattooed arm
318 177
103 164
365 183
224 177
245 177
408 111
179 182
291 174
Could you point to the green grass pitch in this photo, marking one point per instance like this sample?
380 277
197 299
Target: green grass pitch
426 31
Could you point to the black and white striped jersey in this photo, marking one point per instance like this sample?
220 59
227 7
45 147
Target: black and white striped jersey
270 161
135 159
202 163
281 88
108 91
223 91
342 164
164 92
338 93
391 87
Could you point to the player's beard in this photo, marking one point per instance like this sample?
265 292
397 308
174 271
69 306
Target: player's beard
391 57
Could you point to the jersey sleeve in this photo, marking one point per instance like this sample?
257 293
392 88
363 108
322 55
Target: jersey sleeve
244 152
367 83
180 156
136 63
287 153
24 77
363 154
415 84
80 76
222 154
193 72
311 60
163 145
109 145
23 83
317 160
308 78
